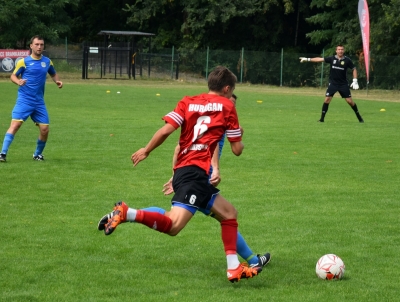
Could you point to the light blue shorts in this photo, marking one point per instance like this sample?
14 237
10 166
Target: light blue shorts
38 113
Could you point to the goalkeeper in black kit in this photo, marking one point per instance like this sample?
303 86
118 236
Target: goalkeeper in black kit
338 80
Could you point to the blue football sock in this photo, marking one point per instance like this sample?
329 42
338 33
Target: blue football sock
154 210
39 148
244 250
8 138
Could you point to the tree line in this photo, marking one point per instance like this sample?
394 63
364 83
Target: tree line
301 26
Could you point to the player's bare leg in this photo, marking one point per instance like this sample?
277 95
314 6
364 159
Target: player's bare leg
179 217
14 126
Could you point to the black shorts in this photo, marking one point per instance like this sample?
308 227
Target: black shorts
343 89
192 188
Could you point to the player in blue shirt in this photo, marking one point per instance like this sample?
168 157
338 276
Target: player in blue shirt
30 75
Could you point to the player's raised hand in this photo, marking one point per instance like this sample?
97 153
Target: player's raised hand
304 59
138 156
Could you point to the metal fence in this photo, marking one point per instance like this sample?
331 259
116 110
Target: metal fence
256 67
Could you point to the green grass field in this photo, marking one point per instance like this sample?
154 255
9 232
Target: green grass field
302 189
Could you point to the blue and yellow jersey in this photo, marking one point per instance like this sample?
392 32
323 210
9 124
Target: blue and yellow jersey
34 71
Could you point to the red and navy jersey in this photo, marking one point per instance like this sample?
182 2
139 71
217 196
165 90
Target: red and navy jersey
203 120
338 72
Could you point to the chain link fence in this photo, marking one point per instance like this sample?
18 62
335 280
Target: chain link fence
255 67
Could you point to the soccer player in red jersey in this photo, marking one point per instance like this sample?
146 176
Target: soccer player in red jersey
243 249
203 120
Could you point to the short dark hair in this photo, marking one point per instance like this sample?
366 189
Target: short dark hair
221 77
39 37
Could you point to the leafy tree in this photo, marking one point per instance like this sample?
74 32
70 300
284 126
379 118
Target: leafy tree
223 24
92 16
385 31
337 22
22 19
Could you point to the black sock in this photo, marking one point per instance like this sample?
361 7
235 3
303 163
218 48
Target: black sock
355 109
324 111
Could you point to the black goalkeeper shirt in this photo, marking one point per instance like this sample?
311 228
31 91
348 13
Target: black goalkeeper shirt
338 72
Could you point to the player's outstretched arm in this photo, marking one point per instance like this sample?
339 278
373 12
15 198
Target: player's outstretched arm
158 138
314 60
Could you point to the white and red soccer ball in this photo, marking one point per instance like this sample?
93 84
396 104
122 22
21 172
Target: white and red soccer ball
330 267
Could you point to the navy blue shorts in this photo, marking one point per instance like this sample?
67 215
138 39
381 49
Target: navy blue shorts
192 189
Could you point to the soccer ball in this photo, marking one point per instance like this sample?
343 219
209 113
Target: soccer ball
330 267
